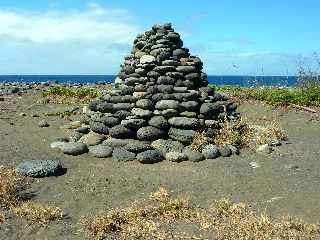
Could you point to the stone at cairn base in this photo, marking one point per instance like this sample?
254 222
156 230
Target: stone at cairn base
160 93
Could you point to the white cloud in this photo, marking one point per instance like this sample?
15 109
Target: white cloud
65 42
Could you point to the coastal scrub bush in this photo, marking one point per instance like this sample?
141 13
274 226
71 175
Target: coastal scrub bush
277 96
11 185
309 76
37 213
58 94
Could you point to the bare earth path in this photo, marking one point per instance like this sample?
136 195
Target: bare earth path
287 180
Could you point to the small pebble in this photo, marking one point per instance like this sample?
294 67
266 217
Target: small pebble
43 124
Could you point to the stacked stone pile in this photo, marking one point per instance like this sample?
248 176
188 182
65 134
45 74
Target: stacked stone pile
160 101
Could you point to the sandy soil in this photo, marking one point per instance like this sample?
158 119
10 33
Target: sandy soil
287 181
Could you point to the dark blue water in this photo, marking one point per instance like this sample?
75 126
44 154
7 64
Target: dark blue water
218 80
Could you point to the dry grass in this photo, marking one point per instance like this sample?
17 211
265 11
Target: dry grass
11 185
236 221
199 141
271 132
37 213
238 134
224 220
2 218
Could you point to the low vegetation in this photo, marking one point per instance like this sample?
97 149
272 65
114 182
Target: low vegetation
36 213
61 94
276 96
12 184
2 218
224 220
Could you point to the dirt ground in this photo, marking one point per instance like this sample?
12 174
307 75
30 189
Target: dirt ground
287 181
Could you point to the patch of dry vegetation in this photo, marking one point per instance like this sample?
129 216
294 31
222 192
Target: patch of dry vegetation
269 133
224 220
2 218
36 213
199 141
238 134
11 185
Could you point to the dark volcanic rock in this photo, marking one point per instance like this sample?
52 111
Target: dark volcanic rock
40 168
184 136
122 155
120 131
150 133
150 157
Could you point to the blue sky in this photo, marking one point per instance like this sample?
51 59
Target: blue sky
92 37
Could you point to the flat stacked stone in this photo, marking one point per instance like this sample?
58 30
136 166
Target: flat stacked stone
161 92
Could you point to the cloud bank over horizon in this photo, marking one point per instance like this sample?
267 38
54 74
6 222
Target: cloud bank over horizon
95 39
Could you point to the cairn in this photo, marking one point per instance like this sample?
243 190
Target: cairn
160 101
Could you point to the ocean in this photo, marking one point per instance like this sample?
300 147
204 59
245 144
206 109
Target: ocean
245 81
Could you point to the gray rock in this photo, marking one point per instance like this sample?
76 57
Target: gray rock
43 124
122 114
184 136
159 122
146 59
40 168
138 146
176 157
192 77
193 156
166 80
211 151
234 149
104 107
133 123
122 155
57 144
179 53
167 145
150 133
169 113
120 131
165 88
92 139
122 106
144 104
225 151
83 130
109 121
101 151
209 109
116 143
98 127
75 136
184 122
274 143
167 104
188 114
190 106
264 149
142 112
150 157
186 69
74 149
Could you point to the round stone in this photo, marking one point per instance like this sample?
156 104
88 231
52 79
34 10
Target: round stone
150 157
40 168
122 155
133 123
98 127
150 133
167 145
184 136
144 104
75 136
190 106
193 156
137 147
264 149
116 143
147 59
176 157
101 151
83 130
74 149
43 124
159 122
92 139
142 112
109 121
225 151
186 69
211 151
184 122
120 131
167 104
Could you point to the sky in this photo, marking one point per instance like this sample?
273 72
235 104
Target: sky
247 37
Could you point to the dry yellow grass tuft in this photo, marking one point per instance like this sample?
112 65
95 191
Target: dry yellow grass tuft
271 132
224 220
238 134
199 141
37 213
11 185
2 218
